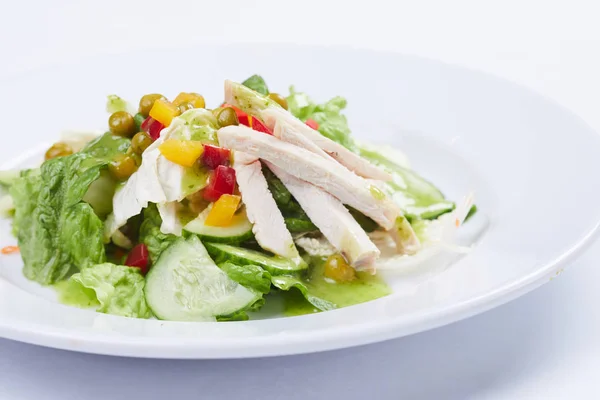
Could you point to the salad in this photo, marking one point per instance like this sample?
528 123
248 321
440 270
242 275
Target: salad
186 213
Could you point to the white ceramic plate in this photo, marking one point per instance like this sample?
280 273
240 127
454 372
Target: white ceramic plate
532 164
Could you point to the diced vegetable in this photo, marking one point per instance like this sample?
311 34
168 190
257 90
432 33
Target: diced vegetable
58 149
122 167
138 258
164 111
337 268
312 123
9 249
195 99
182 152
214 156
221 182
146 103
223 210
140 142
259 126
152 127
121 123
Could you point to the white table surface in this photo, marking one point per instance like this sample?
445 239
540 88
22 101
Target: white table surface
544 345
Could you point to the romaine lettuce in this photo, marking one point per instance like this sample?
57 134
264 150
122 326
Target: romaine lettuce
332 123
150 233
58 233
118 289
285 282
250 276
257 83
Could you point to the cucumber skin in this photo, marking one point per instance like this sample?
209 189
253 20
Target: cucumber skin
220 255
197 227
225 240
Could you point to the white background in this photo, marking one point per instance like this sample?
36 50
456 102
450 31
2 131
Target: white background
545 345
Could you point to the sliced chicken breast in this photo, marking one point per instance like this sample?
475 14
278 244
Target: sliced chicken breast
268 224
333 220
249 101
326 174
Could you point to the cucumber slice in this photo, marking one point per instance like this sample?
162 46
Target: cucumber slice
186 285
276 265
239 230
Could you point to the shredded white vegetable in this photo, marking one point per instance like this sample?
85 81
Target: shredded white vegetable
438 240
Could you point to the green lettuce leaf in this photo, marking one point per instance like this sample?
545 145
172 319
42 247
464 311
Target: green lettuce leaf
150 233
59 233
332 123
250 276
24 191
257 83
118 289
286 283
104 148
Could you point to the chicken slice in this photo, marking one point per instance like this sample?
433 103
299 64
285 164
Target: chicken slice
251 102
268 224
326 174
333 220
285 131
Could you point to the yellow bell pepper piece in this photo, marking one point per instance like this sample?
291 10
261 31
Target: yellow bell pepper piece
195 99
164 111
223 209
182 152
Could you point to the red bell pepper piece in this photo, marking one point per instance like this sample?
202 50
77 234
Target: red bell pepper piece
152 127
312 123
138 258
244 120
214 156
222 181
259 126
